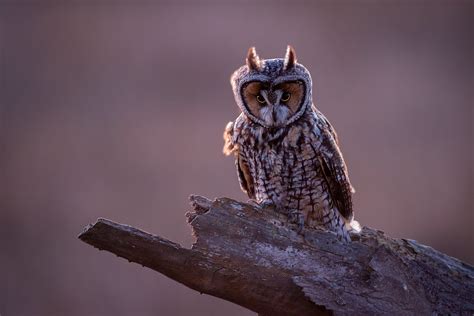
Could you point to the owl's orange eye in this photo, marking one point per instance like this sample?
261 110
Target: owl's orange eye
285 96
260 99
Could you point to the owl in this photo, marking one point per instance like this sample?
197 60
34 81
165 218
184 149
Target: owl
286 151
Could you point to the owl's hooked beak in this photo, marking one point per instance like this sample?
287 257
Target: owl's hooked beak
275 114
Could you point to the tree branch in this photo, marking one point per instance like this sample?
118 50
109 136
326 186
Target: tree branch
254 258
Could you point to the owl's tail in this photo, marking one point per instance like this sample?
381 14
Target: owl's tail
342 226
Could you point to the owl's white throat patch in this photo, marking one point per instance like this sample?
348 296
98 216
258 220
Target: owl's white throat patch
275 115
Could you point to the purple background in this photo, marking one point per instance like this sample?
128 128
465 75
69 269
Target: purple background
117 111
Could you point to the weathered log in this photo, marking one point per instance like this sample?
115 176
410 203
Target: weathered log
254 258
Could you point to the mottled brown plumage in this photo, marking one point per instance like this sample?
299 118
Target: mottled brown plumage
286 151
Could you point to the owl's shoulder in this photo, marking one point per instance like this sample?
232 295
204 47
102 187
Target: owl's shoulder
324 126
237 134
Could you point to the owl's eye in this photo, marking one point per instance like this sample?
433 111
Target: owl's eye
285 96
260 99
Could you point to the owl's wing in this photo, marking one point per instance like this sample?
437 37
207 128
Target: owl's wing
326 124
243 171
245 177
335 171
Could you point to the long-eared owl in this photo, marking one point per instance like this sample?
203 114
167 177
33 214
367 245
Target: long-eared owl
286 151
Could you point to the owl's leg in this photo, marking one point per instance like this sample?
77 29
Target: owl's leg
296 217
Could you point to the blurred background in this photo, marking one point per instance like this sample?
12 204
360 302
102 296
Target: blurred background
117 110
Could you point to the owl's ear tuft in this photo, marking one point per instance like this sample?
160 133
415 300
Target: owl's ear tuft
253 61
290 58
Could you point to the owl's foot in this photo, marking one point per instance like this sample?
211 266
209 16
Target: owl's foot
264 205
268 205
296 217
253 203
260 206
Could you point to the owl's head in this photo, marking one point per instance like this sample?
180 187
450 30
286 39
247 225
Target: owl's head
272 92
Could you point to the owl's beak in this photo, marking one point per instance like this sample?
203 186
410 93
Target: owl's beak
274 115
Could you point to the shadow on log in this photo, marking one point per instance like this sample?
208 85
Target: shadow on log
254 258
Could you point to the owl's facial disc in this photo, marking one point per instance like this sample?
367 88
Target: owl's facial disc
273 104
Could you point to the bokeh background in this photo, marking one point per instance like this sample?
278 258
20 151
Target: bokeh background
116 110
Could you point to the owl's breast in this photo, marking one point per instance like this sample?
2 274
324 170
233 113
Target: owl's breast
286 171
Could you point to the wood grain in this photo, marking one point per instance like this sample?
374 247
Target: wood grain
254 258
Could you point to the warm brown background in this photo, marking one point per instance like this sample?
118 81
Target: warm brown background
117 110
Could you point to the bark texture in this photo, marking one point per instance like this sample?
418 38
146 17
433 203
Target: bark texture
254 258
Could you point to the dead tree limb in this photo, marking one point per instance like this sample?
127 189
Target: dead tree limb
254 258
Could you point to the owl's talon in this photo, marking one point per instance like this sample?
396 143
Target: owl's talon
260 206
268 205
253 203
256 206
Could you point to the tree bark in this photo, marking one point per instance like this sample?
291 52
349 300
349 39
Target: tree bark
255 258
